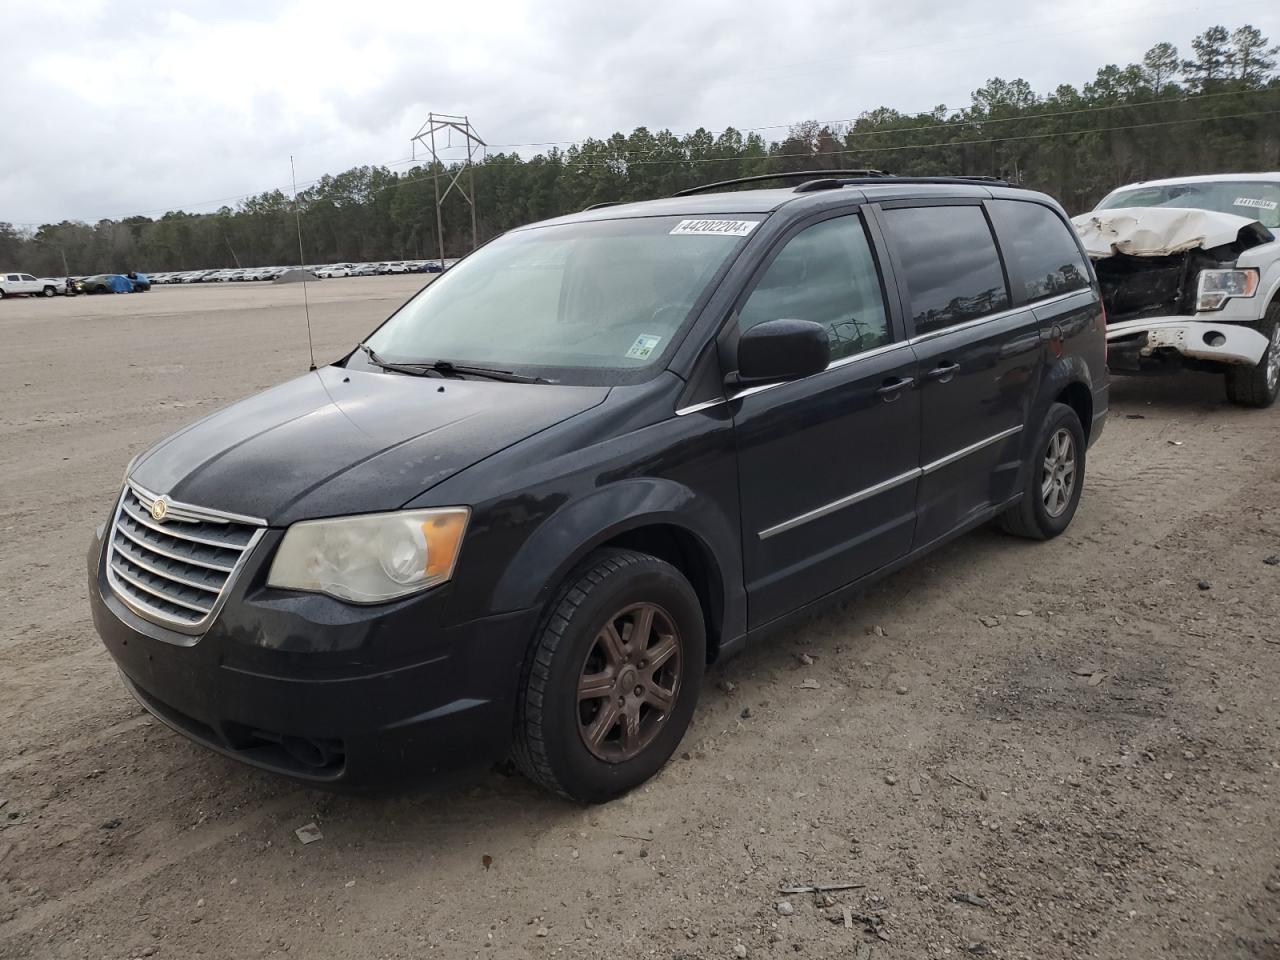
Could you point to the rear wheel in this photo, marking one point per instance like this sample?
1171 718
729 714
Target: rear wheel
49 291
1258 385
612 680
1054 480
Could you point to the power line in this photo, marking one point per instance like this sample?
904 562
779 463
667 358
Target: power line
882 52
946 143
954 122
847 149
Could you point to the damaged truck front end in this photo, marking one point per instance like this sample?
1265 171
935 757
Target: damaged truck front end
1176 285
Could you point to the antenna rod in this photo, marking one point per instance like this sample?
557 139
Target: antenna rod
302 265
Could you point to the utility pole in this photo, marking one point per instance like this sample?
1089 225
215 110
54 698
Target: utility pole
446 125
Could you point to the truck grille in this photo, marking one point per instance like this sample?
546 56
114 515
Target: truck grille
173 563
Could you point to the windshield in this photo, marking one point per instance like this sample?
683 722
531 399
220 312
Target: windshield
1255 199
595 302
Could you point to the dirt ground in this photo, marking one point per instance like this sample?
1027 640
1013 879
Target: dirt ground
1096 773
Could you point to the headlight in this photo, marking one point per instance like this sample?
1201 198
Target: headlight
372 558
1216 287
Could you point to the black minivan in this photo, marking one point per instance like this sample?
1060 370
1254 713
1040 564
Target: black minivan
602 451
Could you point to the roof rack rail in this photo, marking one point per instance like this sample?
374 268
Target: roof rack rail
603 203
790 175
854 181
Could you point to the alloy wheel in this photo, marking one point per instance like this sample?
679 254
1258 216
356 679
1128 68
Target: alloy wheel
1058 476
629 682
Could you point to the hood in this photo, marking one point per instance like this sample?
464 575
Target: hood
342 441
1163 231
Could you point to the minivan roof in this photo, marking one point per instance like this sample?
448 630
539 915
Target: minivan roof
769 200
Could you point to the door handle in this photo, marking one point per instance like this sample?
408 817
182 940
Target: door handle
892 388
943 371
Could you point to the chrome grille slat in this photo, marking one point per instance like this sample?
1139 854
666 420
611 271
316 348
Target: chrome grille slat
197 552
155 548
131 554
175 571
134 510
153 590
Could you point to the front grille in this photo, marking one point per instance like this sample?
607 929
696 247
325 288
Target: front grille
175 570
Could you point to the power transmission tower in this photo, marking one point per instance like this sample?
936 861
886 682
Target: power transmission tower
448 125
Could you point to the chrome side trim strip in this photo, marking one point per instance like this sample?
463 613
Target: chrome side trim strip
843 361
881 487
1000 315
963 452
885 485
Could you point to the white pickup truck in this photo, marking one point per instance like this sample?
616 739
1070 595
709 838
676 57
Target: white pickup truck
12 284
1190 275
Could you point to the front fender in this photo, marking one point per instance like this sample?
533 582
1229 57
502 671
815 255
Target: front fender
560 543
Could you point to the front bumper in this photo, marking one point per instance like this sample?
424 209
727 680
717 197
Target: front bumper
322 691
1225 342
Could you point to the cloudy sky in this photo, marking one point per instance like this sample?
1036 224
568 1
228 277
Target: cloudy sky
119 108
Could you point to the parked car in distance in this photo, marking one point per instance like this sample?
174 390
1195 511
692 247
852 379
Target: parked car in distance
105 283
334 270
522 516
1190 273
24 284
364 270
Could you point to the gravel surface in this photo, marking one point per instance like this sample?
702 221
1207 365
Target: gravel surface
1017 750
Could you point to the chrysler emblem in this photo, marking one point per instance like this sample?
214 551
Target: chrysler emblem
159 508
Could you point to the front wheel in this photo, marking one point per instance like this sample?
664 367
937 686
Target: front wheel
612 680
1258 386
1054 478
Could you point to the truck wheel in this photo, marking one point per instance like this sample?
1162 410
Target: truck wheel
1258 386
1055 478
49 291
611 682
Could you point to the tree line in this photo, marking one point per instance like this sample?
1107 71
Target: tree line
1215 110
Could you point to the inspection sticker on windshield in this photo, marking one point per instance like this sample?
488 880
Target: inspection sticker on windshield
1252 202
713 228
643 348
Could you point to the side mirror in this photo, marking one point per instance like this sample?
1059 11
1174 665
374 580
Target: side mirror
779 350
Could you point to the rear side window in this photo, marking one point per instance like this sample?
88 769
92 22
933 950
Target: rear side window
825 273
1039 249
948 258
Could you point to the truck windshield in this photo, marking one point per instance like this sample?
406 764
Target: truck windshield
596 302
1255 199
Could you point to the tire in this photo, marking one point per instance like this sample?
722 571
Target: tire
553 722
1259 385
49 291
1044 513
1 294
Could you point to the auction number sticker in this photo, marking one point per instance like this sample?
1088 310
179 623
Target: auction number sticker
643 348
1253 202
713 228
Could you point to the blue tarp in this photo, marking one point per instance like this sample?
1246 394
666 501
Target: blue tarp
119 284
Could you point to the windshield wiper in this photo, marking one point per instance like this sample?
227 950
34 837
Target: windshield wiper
510 376
447 368
413 370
